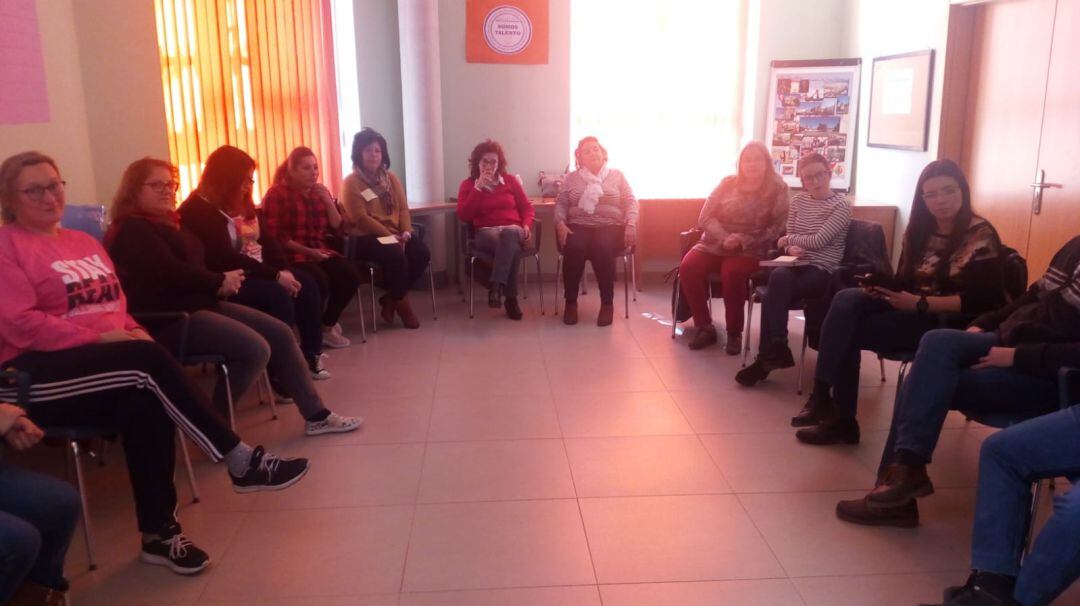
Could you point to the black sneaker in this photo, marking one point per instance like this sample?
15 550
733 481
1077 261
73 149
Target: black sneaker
267 472
981 589
175 551
753 374
513 310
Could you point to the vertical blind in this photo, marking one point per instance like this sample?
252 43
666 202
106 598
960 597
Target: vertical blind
255 74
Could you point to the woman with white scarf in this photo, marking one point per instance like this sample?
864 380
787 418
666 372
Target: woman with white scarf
596 217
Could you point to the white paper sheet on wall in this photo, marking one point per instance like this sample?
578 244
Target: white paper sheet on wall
24 97
896 94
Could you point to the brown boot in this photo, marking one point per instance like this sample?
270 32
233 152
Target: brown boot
569 316
733 347
704 338
902 484
606 315
30 593
408 318
388 306
858 511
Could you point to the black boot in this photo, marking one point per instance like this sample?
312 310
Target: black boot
753 374
982 589
513 311
817 407
830 431
495 296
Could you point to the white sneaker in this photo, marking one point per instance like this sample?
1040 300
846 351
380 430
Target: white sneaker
334 339
318 373
334 423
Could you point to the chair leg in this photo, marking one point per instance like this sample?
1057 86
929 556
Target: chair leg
900 378
431 282
626 286
633 275
265 383
224 368
802 365
525 280
1036 491
374 319
881 363
264 393
675 305
558 278
187 466
81 485
540 284
748 333
472 285
712 316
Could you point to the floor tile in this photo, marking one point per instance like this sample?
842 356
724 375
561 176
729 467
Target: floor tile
601 375
766 592
502 374
643 465
495 471
886 590
534 596
489 417
625 414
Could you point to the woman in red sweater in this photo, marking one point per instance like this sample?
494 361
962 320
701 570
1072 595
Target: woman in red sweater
502 215
64 321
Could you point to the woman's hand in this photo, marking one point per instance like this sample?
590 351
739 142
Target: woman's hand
289 282
900 300
18 431
141 334
562 230
732 242
323 194
1000 357
118 335
782 243
8 414
974 328
232 282
795 251
486 180
526 235
629 236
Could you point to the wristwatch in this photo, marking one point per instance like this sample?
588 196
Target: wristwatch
922 306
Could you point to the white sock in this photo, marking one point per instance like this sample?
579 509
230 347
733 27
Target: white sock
239 459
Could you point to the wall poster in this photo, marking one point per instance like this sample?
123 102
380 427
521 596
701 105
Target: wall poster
813 106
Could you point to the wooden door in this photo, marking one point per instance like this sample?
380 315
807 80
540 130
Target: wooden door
1010 51
1058 220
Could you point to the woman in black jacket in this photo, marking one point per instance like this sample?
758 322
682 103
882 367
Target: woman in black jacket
162 268
224 218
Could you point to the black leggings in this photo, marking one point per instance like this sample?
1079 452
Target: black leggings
338 280
599 245
136 387
401 267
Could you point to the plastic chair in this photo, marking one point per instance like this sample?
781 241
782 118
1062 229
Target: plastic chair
473 255
89 219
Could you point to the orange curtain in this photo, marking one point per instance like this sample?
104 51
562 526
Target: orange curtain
256 74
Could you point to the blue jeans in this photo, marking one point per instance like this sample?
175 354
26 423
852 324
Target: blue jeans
858 321
37 517
1010 461
787 286
504 245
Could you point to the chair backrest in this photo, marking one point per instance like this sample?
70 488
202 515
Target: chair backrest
1014 273
89 219
865 245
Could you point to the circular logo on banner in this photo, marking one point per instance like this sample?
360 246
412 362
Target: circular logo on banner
507 30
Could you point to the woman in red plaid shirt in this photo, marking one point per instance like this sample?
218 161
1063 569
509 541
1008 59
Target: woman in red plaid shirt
302 214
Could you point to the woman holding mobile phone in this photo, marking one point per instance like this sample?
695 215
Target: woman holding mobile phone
502 215
950 264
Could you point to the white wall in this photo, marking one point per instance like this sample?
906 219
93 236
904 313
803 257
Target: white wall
125 107
877 28
378 60
524 107
66 136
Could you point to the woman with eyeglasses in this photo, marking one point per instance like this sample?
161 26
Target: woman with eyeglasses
222 214
817 227
950 269
162 267
64 322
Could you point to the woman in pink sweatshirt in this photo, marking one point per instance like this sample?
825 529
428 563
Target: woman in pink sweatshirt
496 206
64 322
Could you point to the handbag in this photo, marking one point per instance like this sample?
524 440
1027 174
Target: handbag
550 184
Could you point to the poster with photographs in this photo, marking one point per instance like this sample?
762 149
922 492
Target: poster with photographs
813 107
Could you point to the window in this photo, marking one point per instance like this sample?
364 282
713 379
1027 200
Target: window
660 83
256 74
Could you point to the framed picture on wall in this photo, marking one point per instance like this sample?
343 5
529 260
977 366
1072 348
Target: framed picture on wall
813 106
900 89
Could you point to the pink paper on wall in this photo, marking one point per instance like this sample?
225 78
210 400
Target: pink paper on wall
24 97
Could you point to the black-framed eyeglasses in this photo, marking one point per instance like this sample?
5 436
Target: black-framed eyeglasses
37 192
162 187
818 176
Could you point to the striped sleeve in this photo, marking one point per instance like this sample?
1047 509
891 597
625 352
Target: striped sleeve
820 227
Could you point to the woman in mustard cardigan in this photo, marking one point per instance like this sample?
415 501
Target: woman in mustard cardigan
375 206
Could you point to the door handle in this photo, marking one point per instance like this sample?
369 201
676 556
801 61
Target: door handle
1038 186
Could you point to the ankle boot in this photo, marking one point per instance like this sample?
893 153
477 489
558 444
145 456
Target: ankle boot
570 313
513 311
607 314
408 317
387 306
733 347
495 296
704 338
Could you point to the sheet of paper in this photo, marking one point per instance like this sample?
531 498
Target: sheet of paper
896 92
24 97
387 239
369 195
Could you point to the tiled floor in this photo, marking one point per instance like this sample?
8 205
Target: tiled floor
536 464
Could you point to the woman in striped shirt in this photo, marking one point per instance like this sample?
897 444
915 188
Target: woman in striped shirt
595 219
817 228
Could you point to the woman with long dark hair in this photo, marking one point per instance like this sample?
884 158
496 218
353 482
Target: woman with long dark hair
303 215
950 264
222 214
375 207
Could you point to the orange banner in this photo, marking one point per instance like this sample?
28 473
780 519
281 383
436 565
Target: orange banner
506 31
